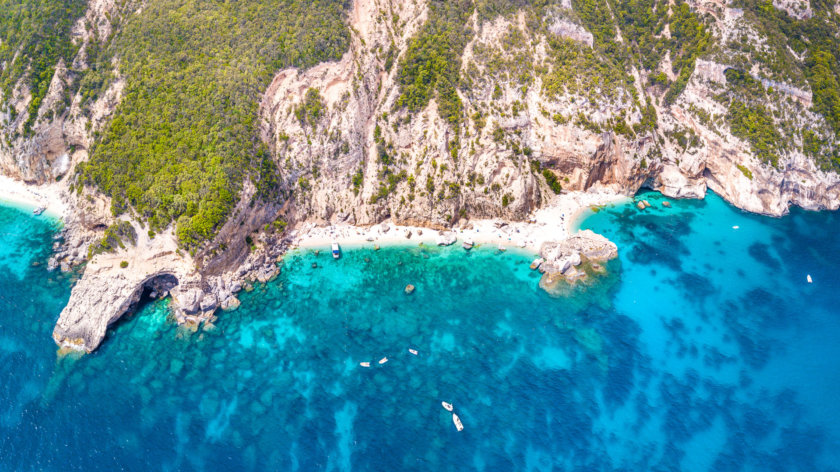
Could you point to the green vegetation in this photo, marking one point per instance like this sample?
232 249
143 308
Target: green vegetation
431 66
311 109
185 135
817 41
755 124
552 181
123 264
34 36
114 238
747 173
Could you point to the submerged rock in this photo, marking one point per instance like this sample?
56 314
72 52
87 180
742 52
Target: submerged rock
231 303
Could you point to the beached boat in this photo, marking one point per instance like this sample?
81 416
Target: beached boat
447 406
336 251
383 360
413 351
468 244
39 210
364 364
502 248
810 280
458 425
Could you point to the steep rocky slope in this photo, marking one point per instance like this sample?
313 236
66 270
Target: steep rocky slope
364 158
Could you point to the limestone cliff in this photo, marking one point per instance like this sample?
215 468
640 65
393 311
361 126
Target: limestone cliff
418 168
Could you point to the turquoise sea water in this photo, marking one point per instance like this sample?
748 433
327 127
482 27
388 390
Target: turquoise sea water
704 350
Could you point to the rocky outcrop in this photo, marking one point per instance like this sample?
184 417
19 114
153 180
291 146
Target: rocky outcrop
446 238
563 257
574 263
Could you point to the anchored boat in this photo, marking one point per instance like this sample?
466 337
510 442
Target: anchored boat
447 406
383 360
364 364
413 351
458 425
39 210
336 251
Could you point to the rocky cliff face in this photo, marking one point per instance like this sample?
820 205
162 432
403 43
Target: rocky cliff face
413 168
347 152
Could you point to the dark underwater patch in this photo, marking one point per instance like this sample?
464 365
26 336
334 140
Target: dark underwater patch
761 253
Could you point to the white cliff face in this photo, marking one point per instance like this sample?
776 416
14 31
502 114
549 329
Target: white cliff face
436 185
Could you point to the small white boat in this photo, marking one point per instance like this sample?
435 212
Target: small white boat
383 360
364 364
413 351
458 425
447 406
736 227
336 251
468 244
39 210
810 280
502 248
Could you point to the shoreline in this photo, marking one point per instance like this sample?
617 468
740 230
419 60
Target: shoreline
21 195
556 221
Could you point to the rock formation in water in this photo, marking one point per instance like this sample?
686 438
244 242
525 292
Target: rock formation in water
542 108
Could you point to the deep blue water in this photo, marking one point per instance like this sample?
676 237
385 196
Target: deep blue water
705 349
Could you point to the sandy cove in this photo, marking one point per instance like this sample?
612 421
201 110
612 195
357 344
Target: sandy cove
554 222
18 193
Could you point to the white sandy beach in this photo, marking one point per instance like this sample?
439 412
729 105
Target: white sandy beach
18 193
554 222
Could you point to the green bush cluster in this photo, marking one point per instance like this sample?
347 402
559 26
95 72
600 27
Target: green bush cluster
747 173
552 181
114 238
754 124
185 135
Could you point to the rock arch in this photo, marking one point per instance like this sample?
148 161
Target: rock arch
101 298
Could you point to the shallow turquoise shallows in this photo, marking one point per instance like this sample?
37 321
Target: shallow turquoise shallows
705 350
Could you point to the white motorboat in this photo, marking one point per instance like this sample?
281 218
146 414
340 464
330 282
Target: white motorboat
413 351
383 360
736 227
39 210
458 425
364 364
336 251
810 280
447 406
